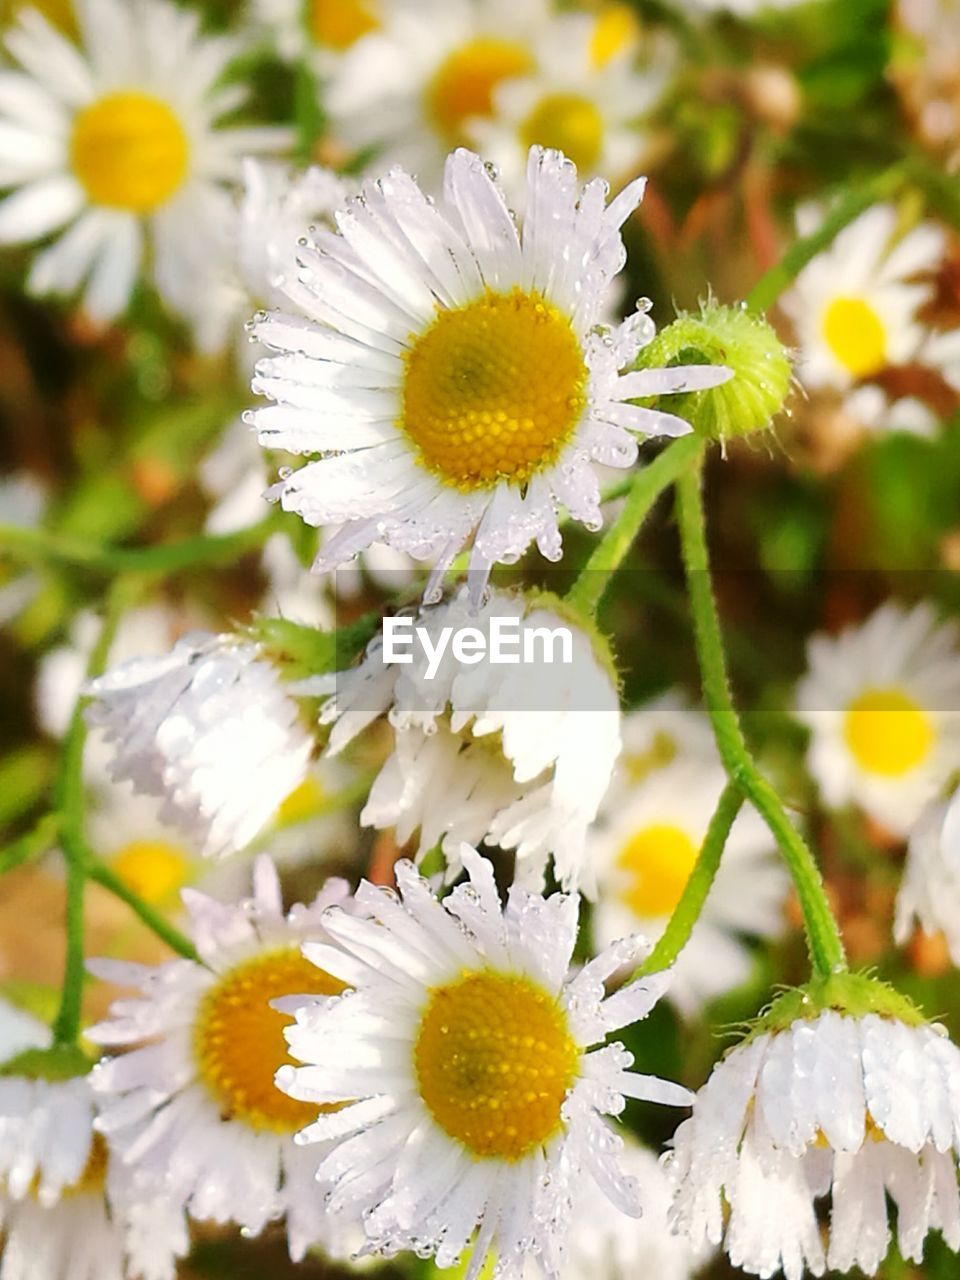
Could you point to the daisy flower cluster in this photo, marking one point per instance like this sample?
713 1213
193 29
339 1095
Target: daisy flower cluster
481 669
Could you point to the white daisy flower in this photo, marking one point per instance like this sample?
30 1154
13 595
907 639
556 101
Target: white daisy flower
607 1245
585 97
659 733
519 755
320 30
20 1030
882 702
66 1212
195 1112
450 371
871 407
209 729
411 88
463 1057
644 849
930 889
853 306
117 142
854 1108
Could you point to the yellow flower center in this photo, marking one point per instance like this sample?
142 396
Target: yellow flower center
238 1040
887 732
661 752
129 151
856 335
153 869
302 803
615 28
658 861
570 123
462 87
494 389
340 23
494 1060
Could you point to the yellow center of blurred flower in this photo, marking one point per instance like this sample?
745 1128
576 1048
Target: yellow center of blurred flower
494 389
887 732
615 28
658 861
462 88
570 123
302 802
129 151
856 335
153 869
494 1060
340 23
238 1040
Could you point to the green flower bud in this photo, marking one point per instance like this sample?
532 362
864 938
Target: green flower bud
745 343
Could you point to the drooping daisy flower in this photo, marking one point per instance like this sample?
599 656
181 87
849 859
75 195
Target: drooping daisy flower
930 890
118 143
464 1058
883 703
66 1211
450 371
854 306
643 851
194 1113
320 30
585 98
515 753
855 1108
210 730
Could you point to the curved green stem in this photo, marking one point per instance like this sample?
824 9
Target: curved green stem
823 937
104 875
645 486
33 546
687 911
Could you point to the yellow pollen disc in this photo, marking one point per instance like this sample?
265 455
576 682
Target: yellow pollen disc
153 869
238 1040
302 802
494 390
494 1060
129 151
462 88
570 123
856 335
340 23
887 732
615 28
658 861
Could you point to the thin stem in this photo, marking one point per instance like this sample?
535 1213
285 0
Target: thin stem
646 485
823 937
40 840
770 285
43 545
687 911
104 875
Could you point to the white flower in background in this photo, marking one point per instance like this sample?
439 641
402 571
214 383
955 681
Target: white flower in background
882 701
656 734
450 370
926 54
208 728
853 306
643 850
871 407
321 30
742 8
66 1212
855 1108
518 755
942 351
585 97
411 88
194 1114
22 502
118 143
930 889
463 1058
607 1245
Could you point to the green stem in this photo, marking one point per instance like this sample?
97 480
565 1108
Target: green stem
40 840
823 937
104 875
687 911
646 485
43 545
770 285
